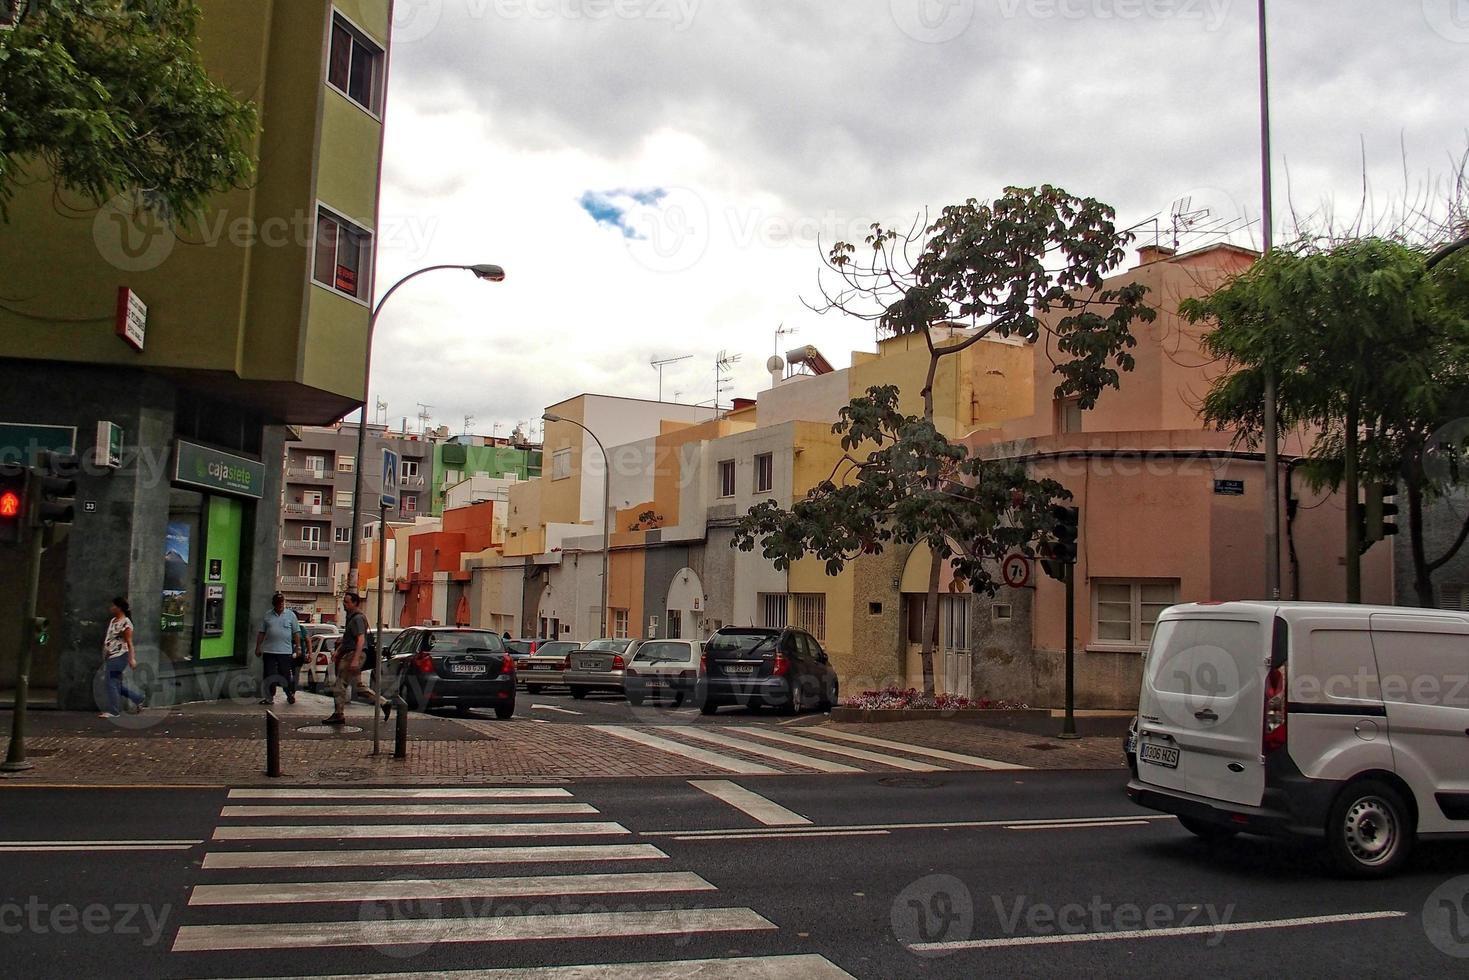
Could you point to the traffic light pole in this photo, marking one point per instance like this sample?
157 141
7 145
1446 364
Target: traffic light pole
377 668
1068 726
15 756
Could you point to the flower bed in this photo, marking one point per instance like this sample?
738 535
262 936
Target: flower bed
892 698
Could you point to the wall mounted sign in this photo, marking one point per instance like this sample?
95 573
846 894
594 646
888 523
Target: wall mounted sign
1230 488
1015 570
109 445
132 318
211 469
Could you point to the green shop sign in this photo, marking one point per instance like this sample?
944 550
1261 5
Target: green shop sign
210 469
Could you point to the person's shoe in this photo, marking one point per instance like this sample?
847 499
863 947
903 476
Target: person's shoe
387 709
334 720
267 700
107 714
290 699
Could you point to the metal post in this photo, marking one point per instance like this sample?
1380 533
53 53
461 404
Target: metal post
377 668
1068 727
15 755
1271 497
272 745
400 734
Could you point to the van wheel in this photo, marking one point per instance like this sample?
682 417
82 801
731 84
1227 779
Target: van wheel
1368 834
1204 830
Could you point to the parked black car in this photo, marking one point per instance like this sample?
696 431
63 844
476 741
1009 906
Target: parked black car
450 667
781 668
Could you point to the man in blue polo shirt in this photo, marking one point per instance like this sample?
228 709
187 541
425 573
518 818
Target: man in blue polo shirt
276 643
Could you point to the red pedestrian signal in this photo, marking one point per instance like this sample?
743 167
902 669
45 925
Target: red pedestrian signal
9 505
13 485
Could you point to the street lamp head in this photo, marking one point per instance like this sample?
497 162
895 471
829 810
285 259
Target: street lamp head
551 417
489 273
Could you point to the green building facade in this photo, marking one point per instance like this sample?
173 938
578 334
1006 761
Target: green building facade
455 461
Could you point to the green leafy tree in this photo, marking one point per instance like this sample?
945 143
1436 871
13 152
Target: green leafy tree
1028 264
1369 340
107 96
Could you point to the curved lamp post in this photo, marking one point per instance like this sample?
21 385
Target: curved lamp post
483 271
606 508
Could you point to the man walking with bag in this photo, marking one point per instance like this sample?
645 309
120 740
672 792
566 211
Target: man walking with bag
277 644
350 657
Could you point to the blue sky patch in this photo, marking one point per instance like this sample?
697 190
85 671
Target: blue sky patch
610 208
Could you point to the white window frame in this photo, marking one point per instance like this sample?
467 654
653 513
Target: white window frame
346 464
408 469
1136 642
417 561
311 533
313 576
954 619
620 619
808 613
410 504
561 464
364 291
764 472
316 464
342 535
342 498
380 64
1069 416
726 477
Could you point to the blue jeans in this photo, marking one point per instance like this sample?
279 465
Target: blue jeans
116 688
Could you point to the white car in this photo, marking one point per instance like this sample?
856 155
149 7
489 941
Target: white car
317 671
1343 723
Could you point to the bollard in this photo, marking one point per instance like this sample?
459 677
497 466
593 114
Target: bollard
400 736
272 745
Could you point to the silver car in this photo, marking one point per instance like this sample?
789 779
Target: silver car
547 666
599 665
663 669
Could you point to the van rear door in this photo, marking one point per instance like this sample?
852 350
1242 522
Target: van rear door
1203 695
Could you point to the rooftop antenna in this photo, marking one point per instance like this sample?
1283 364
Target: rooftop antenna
1185 218
723 368
782 331
423 418
382 411
468 421
658 364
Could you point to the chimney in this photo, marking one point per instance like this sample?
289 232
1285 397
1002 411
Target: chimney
1149 254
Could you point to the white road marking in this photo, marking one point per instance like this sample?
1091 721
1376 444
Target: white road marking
882 743
410 809
1056 824
768 812
771 834
387 857
488 929
98 843
1163 933
1134 822
443 793
447 888
804 967
716 736
863 754
62 848
417 830
687 751
552 707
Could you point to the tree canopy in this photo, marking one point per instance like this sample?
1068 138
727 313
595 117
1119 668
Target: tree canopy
106 96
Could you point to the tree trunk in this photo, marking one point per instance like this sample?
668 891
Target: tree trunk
1422 577
931 623
1354 510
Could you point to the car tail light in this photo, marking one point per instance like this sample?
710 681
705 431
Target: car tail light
566 662
1275 711
703 663
321 659
617 662
782 666
423 663
507 665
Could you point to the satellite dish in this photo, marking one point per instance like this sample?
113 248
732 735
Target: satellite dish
775 364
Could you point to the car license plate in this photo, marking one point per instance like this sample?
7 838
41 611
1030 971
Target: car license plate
1159 755
740 669
468 669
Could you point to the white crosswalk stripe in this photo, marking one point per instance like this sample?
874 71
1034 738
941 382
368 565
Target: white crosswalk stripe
393 898
725 762
813 745
717 736
946 756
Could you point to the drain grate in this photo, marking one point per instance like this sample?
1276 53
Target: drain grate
347 774
910 782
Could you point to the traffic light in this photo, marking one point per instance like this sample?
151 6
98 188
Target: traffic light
1061 551
56 485
1376 513
14 504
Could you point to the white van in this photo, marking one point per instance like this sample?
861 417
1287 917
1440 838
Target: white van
1342 722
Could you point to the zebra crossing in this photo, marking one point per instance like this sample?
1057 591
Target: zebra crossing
414 874
752 750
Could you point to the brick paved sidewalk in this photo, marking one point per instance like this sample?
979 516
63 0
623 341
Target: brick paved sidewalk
218 744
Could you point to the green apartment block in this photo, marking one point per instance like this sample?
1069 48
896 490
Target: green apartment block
456 460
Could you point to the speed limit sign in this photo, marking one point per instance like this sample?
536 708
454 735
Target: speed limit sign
1015 570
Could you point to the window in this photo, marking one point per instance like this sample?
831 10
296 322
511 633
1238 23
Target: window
309 572
675 624
561 464
874 609
345 464
344 498
369 532
1068 415
452 477
954 622
727 478
311 534
316 464
356 66
773 610
343 255
1123 612
1455 597
410 504
764 473
808 612
342 535
409 468
418 562
619 623
1002 612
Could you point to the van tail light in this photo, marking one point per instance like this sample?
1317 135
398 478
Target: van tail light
1275 711
618 663
507 664
782 666
423 663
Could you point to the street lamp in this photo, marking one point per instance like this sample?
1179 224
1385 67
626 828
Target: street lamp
606 506
483 271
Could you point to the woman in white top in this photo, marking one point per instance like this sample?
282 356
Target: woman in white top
118 655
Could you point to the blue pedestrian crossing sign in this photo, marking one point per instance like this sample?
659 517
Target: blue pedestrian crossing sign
390 480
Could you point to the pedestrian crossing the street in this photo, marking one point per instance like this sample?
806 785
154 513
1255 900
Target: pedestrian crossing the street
751 750
385 878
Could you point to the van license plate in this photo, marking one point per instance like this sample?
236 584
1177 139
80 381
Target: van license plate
1159 755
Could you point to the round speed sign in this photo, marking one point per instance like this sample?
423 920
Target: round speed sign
1015 570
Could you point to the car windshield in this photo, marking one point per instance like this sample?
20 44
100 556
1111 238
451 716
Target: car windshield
451 642
608 646
739 643
560 648
654 653
520 648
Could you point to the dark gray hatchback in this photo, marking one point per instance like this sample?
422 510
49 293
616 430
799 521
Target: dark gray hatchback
779 668
447 667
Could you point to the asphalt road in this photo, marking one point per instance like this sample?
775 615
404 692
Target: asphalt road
952 874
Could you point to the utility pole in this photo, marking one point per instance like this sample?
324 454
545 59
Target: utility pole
1271 496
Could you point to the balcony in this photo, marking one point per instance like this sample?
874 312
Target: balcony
296 583
307 510
296 546
302 474
411 482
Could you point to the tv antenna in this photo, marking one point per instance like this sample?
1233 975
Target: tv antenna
723 373
782 331
382 410
1185 218
658 364
468 421
423 418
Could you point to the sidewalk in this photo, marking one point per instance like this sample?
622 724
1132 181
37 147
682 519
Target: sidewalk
222 743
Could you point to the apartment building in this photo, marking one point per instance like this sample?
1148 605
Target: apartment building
201 343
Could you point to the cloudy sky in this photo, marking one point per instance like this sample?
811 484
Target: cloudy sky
655 175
